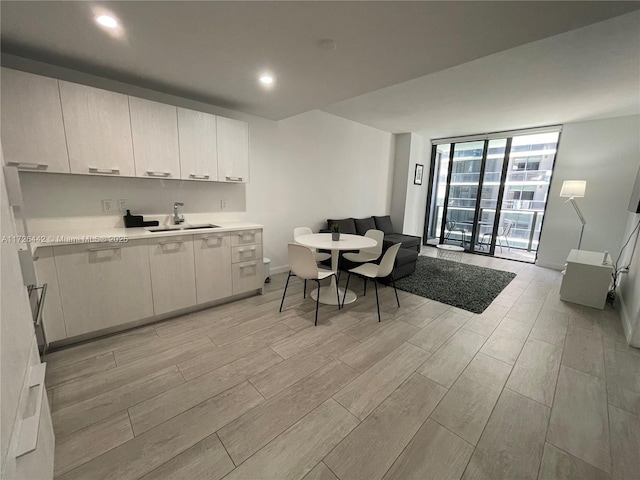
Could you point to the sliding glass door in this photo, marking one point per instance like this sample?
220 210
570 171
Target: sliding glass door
489 195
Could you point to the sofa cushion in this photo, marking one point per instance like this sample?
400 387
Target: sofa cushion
384 224
347 225
407 241
364 224
405 256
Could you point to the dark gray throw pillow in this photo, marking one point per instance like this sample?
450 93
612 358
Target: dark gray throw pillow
364 224
347 225
384 224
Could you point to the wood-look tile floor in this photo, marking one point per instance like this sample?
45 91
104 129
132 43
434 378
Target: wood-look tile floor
531 388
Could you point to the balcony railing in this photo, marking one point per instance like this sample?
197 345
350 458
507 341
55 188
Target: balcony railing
524 235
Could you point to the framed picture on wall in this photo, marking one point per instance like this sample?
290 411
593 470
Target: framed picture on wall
417 178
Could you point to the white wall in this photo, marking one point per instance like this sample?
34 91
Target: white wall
400 179
416 199
304 169
605 153
629 289
312 167
409 200
17 338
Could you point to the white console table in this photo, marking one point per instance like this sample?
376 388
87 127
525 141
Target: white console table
586 279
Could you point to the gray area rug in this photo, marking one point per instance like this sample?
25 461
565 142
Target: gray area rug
464 286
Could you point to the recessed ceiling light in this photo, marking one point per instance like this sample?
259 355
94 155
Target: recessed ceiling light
107 21
266 79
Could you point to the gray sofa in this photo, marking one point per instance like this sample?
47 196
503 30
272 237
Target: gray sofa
407 255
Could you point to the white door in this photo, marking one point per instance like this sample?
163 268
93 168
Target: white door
103 285
154 127
173 277
213 266
233 150
98 130
32 129
198 145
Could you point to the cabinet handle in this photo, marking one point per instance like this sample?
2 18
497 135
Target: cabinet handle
29 427
107 171
171 242
247 265
28 166
199 177
206 239
158 174
100 249
247 249
233 179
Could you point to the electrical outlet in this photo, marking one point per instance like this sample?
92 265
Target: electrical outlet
107 205
223 204
122 205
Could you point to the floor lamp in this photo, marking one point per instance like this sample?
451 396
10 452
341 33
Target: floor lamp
573 189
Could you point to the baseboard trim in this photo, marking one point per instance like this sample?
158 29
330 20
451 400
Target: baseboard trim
627 324
553 266
277 270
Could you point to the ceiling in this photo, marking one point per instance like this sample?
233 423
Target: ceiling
384 71
585 74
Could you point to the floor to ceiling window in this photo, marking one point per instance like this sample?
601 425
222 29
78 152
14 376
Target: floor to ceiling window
488 193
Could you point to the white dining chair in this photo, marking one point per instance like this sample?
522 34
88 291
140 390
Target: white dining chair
373 271
303 265
368 254
320 256
299 231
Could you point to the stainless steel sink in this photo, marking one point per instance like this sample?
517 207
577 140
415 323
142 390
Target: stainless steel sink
175 228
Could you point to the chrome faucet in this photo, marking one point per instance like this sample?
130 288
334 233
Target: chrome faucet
178 218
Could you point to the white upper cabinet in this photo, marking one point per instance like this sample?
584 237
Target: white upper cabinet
98 130
32 129
233 150
198 145
154 127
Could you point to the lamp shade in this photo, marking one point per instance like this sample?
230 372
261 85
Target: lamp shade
573 188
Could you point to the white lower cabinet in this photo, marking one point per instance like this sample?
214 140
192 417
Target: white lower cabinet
93 287
53 318
213 266
172 273
103 285
247 265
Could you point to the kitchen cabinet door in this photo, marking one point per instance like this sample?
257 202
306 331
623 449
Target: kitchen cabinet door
198 145
233 150
98 130
213 266
103 285
32 129
173 277
52 316
154 127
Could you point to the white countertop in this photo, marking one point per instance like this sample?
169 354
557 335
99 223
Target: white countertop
72 235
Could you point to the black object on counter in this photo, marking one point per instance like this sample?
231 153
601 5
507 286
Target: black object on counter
132 221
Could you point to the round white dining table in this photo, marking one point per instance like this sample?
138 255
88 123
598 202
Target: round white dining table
323 241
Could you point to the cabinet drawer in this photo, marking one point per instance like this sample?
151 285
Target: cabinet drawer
247 276
246 237
246 253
